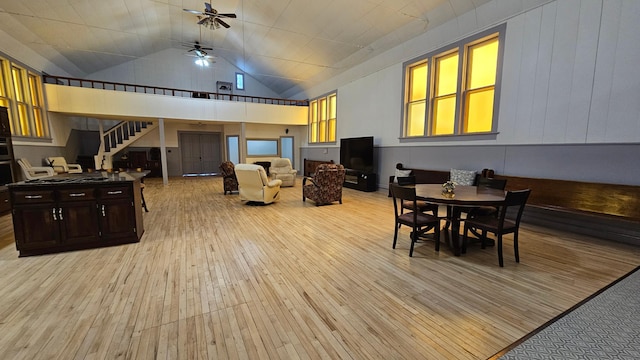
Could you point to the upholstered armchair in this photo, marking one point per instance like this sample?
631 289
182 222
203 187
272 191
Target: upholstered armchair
229 177
255 186
60 165
326 186
281 169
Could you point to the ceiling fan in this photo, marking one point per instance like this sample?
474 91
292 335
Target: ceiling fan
199 51
211 18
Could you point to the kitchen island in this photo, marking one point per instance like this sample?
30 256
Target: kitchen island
76 211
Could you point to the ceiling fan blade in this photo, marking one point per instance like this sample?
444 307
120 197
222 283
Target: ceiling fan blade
207 6
231 16
193 11
203 20
222 23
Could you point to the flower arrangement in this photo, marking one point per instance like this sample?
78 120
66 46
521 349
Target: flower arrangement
448 189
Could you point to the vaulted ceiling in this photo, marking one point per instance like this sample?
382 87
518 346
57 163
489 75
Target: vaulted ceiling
287 45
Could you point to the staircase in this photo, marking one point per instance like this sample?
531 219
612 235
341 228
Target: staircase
119 137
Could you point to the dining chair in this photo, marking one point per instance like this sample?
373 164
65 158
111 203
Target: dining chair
423 206
416 219
487 183
499 225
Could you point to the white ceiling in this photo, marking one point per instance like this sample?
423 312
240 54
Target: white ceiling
288 45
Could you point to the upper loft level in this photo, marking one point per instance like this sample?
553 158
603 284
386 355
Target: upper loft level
109 100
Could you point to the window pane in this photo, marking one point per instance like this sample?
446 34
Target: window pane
233 148
332 107
322 131
40 129
418 83
17 84
447 75
262 147
33 87
323 109
332 130
23 118
444 115
483 60
479 111
415 118
313 122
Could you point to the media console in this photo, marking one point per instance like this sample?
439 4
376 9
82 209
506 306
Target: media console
359 180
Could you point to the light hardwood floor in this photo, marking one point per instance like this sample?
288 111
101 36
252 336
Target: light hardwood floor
215 279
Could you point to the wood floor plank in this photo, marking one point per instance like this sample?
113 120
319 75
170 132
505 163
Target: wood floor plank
213 278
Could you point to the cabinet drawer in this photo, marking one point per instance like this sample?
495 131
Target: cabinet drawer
32 196
115 192
77 194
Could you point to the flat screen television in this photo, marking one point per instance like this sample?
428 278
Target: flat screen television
357 153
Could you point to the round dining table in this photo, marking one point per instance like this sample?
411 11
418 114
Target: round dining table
464 197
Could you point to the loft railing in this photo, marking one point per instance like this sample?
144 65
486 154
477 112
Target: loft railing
106 85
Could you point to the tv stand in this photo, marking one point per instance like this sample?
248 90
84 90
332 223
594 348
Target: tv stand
355 179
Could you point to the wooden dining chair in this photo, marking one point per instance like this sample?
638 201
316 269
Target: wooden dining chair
488 183
423 206
416 219
499 225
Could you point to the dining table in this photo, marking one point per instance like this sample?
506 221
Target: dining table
463 197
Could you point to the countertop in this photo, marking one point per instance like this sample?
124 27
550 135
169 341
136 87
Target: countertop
99 177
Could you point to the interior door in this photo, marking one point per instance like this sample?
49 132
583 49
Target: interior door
201 153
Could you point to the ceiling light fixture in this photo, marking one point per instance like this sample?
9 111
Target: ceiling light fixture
202 61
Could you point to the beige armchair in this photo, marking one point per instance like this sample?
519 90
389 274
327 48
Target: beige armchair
254 185
34 172
60 165
281 169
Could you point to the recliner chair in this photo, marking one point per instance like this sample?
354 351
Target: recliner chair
34 172
281 169
255 186
60 165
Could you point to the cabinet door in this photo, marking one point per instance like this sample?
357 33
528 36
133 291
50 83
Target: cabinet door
5 205
36 226
117 219
117 212
78 222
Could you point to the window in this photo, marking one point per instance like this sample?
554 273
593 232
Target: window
452 91
239 81
323 119
21 93
262 147
233 148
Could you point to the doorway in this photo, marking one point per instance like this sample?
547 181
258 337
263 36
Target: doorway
201 153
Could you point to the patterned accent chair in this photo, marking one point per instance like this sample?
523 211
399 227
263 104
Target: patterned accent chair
281 169
326 186
229 177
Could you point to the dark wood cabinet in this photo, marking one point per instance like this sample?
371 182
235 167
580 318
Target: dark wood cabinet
78 215
359 180
138 159
5 204
57 217
35 220
117 212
